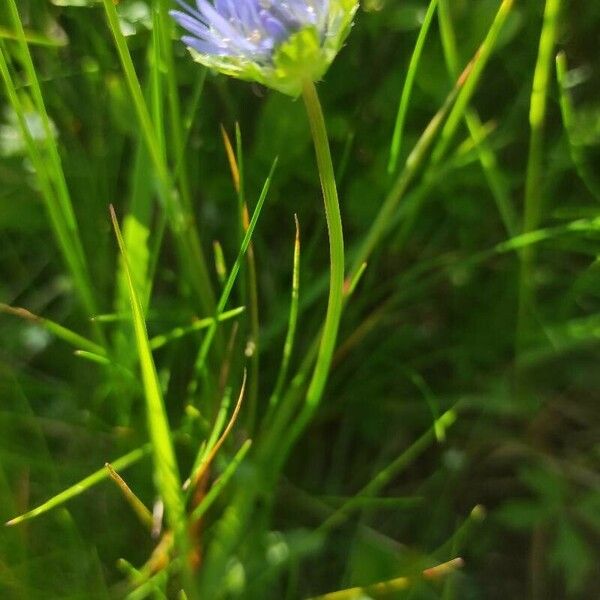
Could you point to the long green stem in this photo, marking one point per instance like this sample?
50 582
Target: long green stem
532 210
336 276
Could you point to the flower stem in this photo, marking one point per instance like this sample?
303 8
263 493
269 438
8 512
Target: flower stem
336 256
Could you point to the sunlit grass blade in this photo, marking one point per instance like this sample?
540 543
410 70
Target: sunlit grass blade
70 337
457 541
586 173
83 485
220 264
166 471
93 357
380 225
411 73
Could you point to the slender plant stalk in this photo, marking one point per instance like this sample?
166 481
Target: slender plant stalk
411 73
336 275
534 180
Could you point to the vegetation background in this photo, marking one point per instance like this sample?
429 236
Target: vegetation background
481 297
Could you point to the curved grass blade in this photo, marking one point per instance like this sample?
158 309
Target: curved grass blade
411 73
208 453
61 223
181 219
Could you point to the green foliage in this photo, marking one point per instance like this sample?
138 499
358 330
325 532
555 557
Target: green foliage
465 375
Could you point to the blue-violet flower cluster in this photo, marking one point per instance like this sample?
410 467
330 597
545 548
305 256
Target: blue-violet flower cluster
278 43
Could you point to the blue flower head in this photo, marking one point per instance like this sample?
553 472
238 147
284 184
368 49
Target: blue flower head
278 43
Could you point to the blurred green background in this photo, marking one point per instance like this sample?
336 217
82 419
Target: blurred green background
512 487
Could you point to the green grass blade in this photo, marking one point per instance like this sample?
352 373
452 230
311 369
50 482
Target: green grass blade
250 285
288 345
384 476
534 181
100 475
380 225
166 472
207 341
33 38
466 93
178 332
70 337
69 248
450 112
477 129
182 221
38 99
411 73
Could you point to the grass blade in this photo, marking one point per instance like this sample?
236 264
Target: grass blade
138 507
83 485
390 471
586 174
218 486
408 86
68 336
207 341
477 129
466 93
532 210
175 334
63 231
166 472
181 220
288 345
393 586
